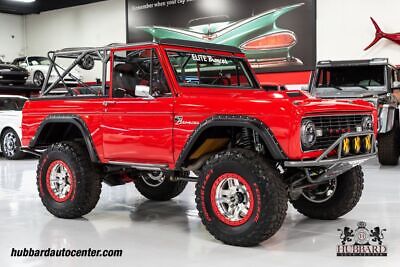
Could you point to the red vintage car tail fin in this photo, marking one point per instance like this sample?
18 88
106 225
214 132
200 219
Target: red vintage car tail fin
378 34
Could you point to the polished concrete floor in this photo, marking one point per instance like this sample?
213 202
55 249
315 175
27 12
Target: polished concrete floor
171 234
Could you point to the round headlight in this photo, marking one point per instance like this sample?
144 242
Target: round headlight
308 133
367 124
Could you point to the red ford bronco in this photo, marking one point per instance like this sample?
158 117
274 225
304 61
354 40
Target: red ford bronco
165 113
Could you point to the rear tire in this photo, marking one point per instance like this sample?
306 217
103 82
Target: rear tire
241 198
388 146
11 145
68 183
347 193
157 186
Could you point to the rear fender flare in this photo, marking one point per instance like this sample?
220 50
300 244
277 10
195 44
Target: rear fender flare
74 120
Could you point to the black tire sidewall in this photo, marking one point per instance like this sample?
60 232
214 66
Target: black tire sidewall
163 192
388 145
43 190
18 153
348 191
205 197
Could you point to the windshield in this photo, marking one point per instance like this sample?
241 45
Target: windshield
350 81
206 70
9 103
38 61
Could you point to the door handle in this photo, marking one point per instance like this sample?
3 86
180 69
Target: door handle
107 103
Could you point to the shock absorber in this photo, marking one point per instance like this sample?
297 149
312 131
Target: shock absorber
246 139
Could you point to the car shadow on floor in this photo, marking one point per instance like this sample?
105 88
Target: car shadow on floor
172 212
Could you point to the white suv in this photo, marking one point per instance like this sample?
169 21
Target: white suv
10 125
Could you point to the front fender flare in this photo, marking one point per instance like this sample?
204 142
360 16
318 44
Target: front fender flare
387 115
237 121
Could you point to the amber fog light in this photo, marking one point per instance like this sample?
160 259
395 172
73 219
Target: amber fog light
356 145
346 146
367 143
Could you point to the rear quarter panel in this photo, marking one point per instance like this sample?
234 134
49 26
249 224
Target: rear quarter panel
88 109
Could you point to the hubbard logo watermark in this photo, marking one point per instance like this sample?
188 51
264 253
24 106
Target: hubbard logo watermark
361 241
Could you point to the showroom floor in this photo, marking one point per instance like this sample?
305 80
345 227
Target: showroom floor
171 234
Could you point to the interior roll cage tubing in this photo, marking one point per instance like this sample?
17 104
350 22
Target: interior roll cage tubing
101 54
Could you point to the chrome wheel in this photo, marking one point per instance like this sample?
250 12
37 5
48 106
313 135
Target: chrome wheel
154 178
321 193
10 144
60 181
38 79
233 199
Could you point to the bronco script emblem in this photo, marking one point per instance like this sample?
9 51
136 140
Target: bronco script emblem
361 241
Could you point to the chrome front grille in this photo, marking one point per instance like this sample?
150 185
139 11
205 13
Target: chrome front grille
332 127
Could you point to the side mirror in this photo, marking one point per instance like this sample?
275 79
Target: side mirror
23 65
142 91
304 88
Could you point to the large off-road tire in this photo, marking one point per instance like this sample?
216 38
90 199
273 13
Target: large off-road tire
241 198
11 145
388 146
345 192
157 186
68 183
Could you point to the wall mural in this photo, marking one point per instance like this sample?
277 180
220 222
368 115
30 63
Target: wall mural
276 35
379 34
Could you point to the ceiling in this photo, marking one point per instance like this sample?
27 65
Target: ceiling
14 7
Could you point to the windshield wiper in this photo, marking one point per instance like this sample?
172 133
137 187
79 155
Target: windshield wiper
336 87
362 87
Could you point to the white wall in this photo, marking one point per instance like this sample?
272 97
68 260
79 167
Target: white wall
12 35
95 24
344 29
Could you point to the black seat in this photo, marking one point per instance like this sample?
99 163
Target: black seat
124 79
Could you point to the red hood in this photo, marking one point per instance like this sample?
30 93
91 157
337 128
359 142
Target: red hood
311 105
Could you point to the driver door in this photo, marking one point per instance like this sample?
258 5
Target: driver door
138 117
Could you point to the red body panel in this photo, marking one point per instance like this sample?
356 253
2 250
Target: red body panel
284 78
144 131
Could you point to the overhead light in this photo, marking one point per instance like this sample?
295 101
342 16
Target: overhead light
24 1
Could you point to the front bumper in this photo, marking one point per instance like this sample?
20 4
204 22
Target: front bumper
338 164
12 77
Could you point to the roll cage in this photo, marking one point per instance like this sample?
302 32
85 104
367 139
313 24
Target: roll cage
86 56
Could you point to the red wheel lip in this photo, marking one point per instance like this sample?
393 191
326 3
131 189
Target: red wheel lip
72 177
215 209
